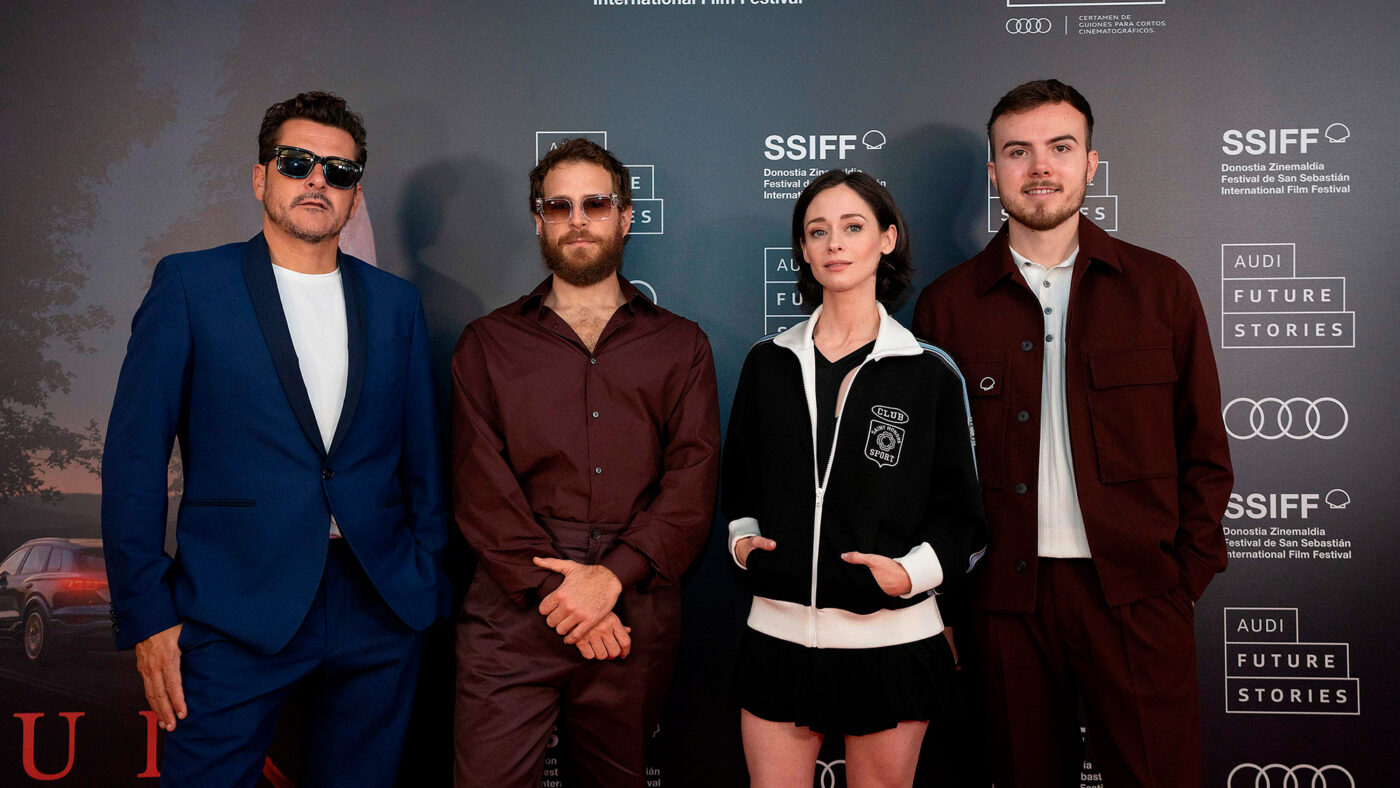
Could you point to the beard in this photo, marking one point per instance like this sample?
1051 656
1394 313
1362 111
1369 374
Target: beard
579 267
281 215
1045 217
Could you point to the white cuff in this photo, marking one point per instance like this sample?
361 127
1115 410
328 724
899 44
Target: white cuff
741 528
925 572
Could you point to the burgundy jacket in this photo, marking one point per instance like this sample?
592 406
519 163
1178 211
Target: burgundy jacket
1151 455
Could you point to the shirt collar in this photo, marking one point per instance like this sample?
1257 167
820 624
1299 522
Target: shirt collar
996 263
892 339
631 296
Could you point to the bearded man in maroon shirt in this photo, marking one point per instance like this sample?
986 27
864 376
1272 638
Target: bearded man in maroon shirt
585 438
1104 465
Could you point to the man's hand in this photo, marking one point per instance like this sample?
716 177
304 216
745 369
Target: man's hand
748 544
608 640
891 577
587 594
158 660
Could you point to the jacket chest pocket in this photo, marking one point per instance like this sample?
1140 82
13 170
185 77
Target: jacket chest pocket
985 383
1131 409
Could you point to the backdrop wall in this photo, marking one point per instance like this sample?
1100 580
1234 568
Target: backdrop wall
1246 139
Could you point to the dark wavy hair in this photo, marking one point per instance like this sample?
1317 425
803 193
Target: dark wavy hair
896 269
325 108
1033 94
580 149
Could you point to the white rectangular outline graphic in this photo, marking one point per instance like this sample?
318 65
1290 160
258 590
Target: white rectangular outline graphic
1342 279
652 167
539 156
767 282
1297 633
660 225
1224 316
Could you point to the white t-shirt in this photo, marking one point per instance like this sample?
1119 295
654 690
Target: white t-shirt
315 308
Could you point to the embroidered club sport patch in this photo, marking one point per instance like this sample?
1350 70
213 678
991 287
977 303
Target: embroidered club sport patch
885 438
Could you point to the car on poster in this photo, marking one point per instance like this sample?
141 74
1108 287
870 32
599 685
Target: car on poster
54 596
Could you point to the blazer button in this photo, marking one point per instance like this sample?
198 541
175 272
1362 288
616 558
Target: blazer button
1024 415
1020 488
595 534
1027 345
327 473
1021 567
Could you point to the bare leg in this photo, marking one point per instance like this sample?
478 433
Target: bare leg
779 754
885 759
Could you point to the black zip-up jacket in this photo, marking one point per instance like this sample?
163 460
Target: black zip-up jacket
902 482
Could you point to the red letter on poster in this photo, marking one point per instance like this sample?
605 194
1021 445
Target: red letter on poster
27 748
151 770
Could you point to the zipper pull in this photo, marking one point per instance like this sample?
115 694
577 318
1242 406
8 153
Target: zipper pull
821 493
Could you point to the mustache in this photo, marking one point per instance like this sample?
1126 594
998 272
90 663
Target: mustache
578 235
310 197
1041 185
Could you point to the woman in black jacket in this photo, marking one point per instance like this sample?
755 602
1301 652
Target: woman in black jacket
851 491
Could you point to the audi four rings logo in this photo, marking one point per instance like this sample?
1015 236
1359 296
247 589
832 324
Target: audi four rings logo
1017 27
826 773
1272 418
1276 775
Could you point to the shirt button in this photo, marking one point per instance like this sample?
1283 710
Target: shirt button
1049 337
1048 310
327 473
597 470
592 360
1021 566
1020 488
1024 415
1027 345
1046 283
595 414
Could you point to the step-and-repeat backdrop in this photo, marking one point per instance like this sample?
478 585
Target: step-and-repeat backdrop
1253 141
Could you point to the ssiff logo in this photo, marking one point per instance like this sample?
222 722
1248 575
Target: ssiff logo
884 439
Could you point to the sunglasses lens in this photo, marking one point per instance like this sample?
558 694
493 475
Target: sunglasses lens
556 210
342 173
295 164
597 207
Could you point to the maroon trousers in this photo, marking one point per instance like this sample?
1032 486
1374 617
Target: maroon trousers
1133 668
516 678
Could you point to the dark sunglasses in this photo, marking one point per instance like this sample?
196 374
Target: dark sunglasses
298 163
557 210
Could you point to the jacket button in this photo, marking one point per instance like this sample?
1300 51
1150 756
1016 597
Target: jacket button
1020 488
327 473
1020 566
1024 415
1027 345
593 361
595 534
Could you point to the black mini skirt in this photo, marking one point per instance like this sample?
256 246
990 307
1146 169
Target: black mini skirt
845 692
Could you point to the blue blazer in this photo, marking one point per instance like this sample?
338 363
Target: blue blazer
211 363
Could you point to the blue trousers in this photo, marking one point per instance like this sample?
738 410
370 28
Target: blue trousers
359 663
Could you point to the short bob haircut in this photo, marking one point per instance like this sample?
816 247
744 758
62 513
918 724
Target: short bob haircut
893 275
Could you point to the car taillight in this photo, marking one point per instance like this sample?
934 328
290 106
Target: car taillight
83 584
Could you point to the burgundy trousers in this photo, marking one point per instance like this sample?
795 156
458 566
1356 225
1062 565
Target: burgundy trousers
516 678
1132 667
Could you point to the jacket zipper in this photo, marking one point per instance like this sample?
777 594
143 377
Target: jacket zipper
822 483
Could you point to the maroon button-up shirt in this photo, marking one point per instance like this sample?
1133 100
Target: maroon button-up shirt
626 437
1151 455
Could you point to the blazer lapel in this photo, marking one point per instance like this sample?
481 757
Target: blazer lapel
357 335
267 304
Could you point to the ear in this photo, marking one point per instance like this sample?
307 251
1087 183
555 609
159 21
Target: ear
355 201
992 174
259 180
626 219
1093 167
888 239
539 224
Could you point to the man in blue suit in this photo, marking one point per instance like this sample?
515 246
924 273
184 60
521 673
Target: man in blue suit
298 382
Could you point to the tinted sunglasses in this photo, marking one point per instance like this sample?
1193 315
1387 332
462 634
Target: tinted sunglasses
557 210
298 163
